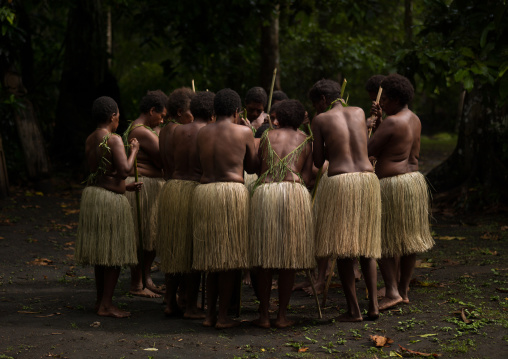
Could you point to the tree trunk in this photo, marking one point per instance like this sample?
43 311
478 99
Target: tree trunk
84 71
270 48
479 163
408 21
30 134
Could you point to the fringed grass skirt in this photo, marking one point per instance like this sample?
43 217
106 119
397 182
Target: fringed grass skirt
105 231
174 234
347 212
281 227
149 202
220 213
405 221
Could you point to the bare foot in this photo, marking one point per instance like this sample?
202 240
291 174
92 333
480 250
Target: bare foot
172 312
226 323
283 323
320 287
209 322
246 278
159 289
346 317
387 303
301 285
147 293
113 312
372 315
194 314
262 323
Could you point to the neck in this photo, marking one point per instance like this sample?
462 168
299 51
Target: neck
225 119
105 127
143 119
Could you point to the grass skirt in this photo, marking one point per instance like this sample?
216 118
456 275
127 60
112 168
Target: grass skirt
174 234
405 221
105 231
149 209
281 227
347 212
220 214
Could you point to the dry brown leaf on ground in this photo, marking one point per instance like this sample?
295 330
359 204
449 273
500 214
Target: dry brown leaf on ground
27 312
41 262
303 350
504 228
450 238
380 341
491 236
463 317
404 350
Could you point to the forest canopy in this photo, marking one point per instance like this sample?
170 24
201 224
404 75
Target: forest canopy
57 56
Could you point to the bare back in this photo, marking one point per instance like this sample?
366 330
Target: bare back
343 132
185 151
396 144
113 178
283 143
165 148
224 148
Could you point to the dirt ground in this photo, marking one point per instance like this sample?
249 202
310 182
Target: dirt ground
458 308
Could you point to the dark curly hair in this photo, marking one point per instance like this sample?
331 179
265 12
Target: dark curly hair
290 113
328 88
226 102
156 99
373 83
258 95
398 87
103 108
279 96
179 99
201 106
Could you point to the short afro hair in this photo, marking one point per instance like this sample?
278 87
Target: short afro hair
103 108
373 83
201 106
279 96
257 95
274 108
156 99
398 87
328 88
179 99
226 102
290 113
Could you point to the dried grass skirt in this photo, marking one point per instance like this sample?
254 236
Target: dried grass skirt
281 231
106 230
149 202
405 220
347 212
220 221
174 234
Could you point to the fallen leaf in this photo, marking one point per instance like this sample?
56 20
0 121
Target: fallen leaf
95 324
151 349
504 228
303 350
27 312
491 236
449 238
409 351
463 317
41 262
426 335
380 341
424 265
395 354
2 238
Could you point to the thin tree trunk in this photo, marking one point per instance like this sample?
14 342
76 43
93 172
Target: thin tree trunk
270 48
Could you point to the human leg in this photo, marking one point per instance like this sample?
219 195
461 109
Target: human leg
345 267
369 271
263 289
286 281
